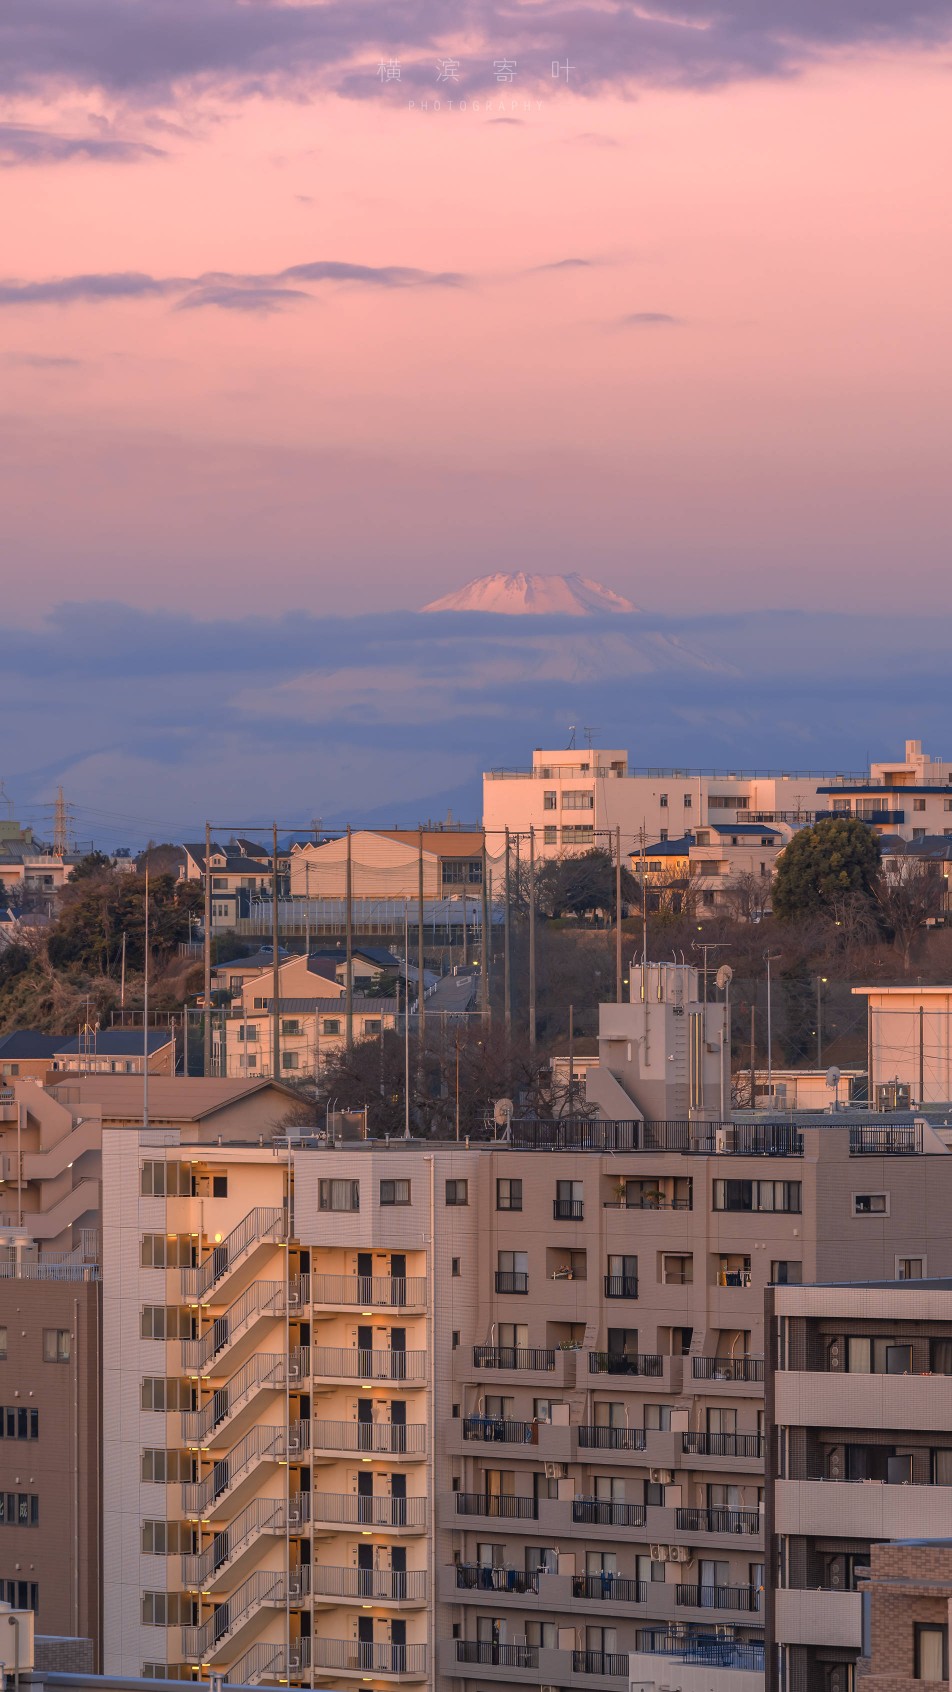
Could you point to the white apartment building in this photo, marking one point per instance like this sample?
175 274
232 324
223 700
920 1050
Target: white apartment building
576 798
910 1045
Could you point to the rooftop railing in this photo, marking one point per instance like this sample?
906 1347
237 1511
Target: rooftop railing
892 1139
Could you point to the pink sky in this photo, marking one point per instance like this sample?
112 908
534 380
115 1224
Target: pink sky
783 440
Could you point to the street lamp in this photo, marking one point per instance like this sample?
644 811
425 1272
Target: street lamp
820 984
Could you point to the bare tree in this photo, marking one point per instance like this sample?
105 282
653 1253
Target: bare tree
747 896
908 892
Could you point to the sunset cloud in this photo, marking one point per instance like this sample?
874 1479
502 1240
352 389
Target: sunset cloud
229 292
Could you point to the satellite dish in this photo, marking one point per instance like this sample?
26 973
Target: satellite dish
724 976
833 1077
502 1112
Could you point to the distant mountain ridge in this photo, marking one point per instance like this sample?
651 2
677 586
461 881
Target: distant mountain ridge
523 594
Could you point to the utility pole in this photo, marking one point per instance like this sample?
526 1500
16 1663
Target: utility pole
618 963
349 942
275 962
60 825
207 1018
145 1007
770 958
506 963
753 1058
484 949
532 942
421 1002
820 980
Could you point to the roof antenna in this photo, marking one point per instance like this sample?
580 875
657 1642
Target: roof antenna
571 745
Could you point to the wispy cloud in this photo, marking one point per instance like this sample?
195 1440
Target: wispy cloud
223 289
22 144
42 361
649 320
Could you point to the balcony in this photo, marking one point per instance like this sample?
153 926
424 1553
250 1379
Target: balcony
863 1509
568 1210
806 1398
819 1618
620 1286
895 1139
727 1368
477 1577
614 1589
368 1292
359 1657
718 1597
496 1430
645 1363
611 1439
718 1520
724 1445
352 1509
605 1663
512 1281
264 1370
262 1301
387 1586
262 1226
346 1363
391 1439
606 1512
497 1505
490 1655
531 1357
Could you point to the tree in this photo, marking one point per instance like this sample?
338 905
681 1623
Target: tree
100 908
579 884
911 890
92 864
837 859
747 896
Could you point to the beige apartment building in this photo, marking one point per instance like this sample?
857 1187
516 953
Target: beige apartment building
576 798
386 864
468 1415
859 1422
909 1037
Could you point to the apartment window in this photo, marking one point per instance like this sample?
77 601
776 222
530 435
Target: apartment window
687 801
758 1195
788 1272
658 1416
339 1195
162 1251
457 1192
870 1204
19 1509
677 1270
395 1192
168 1539
3 1345
918 804
18 1422
330 1025
163 1468
662 834
168 1609
550 836
910 1268
940 1356
508 1194
159 1393
166 1322
166 1180
289 1060
550 799
291 1027
372 1025
663 801
455 1268
577 800
56 1345
919 833
941 1466
578 834
931 1651
20 1594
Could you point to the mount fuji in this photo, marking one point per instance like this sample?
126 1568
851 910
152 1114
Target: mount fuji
529 595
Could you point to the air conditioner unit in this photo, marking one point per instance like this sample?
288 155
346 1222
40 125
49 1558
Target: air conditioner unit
556 1471
659 1553
680 1554
720 1140
661 1477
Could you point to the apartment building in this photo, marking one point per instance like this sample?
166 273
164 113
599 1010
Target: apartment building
313 1034
470 1415
387 864
859 1420
576 798
909 1036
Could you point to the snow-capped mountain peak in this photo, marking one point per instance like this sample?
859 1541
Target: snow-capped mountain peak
523 594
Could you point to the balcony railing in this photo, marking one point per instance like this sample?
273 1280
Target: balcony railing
718 1597
364 1292
568 1210
351 1508
262 1515
391 1438
281 1663
499 1430
724 1653
264 1369
504 1505
490 1655
734 1278
360 1656
264 1586
614 1588
611 1439
600 1662
262 1299
723 1444
573 1135
621 1286
513 1357
717 1519
727 1368
512 1281
261 1224
479 1577
606 1512
647 1204
350 1364
260 1444
385 1585
896 1139
626 1363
